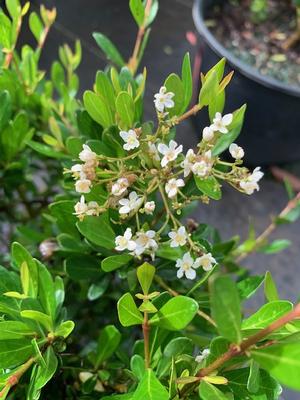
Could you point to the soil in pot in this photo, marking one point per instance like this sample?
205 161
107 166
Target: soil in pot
260 45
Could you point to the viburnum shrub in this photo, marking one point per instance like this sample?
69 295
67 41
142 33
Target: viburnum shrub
157 298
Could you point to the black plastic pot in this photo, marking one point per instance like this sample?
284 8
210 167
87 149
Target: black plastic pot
271 133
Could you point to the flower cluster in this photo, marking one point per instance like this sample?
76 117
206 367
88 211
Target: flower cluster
136 188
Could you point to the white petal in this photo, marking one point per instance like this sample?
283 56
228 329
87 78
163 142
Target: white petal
180 273
227 119
162 148
190 273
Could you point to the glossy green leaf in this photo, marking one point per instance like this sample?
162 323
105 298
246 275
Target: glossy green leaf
108 342
207 391
209 89
109 49
13 352
98 230
137 366
125 109
82 267
98 109
209 187
270 288
14 330
145 275
282 361
111 263
105 88
247 287
254 377
176 314
63 212
40 317
45 373
187 81
267 314
128 311
150 388
65 329
138 11
225 305
173 84
36 26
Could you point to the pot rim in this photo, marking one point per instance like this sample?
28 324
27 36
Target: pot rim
242 67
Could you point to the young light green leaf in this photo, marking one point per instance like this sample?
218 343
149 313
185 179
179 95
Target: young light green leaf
40 317
138 11
282 361
225 305
173 84
150 388
125 109
128 311
187 81
105 89
209 89
275 247
208 391
108 342
145 275
65 329
176 314
36 26
109 49
267 314
111 263
98 109
270 288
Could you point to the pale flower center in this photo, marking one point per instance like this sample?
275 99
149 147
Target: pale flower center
186 266
123 242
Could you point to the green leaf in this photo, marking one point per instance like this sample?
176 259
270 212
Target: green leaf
98 109
270 288
176 314
267 314
150 388
14 8
169 253
209 186
173 84
275 247
13 352
225 305
98 230
137 366
145 275
109 49
138 11
46 291
38 316
282 361
187 81
254 377
111 263
46 150
235 128
81 267
5 109
5 31
44 374
108 342
125 109
36 26
63 211
96 290
208 391
209 89
65 329
128 311
14 330
247 287
105 88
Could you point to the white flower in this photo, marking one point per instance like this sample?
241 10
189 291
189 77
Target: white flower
77 171
153 151
163 99
220 123
201 168
178 237
206 261
87 155
119 187
202 356
186 267
208 133
124 242
236 151
149 207
130 139
132 203
169 152
81 208
172 186
250 184
83 186
145 241
187 164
